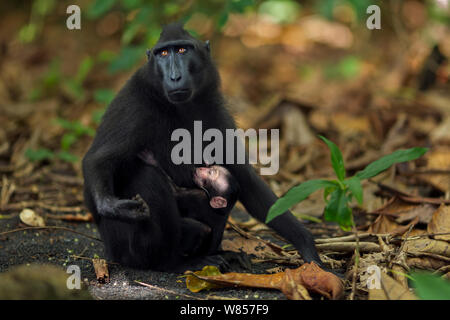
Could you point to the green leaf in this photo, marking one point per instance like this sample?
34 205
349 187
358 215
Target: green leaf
131 4
97 115
385 162
347 68
99 8
296 195
336 159
39 154
43 7
222 20
83 70
67 156
80 129
67 140
130 32
240 5
65 124
431 287
126 59
106 56
354 184
75 127
27 33
280 11
337 210
104 96
327 191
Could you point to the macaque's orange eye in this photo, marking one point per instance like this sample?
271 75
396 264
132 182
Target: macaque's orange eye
181 50
164 53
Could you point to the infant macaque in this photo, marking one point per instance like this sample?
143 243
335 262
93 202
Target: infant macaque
204 211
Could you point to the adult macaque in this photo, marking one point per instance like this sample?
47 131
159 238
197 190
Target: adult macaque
177 86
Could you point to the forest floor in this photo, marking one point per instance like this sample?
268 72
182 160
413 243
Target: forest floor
363 95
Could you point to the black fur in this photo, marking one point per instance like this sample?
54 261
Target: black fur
142 116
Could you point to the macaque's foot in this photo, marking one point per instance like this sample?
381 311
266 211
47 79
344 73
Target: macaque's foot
240 259
226 261
196 264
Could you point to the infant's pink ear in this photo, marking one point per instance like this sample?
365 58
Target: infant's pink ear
218 202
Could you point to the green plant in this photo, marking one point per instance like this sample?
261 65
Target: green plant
430 287
53 81
39 10
73 131
104 97
339 193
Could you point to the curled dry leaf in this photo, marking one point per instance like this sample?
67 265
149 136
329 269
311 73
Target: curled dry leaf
101 270
440 223
383 224
294 283
404 211
316 279
31 218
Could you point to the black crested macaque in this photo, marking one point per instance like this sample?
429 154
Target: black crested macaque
205 209
178 85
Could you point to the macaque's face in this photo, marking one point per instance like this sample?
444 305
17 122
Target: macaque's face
214 180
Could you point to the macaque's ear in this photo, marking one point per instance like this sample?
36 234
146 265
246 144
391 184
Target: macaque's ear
218 202
207 46
149 52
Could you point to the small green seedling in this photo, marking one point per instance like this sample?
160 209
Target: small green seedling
339 193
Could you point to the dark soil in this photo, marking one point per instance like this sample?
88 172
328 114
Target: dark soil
63 248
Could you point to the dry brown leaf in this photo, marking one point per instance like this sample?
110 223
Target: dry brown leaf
348 124
441 133
440 223
383 224
405 211
390 290
249 246
101 270
294 283
438 159
320 281
427 263
295 127
428 245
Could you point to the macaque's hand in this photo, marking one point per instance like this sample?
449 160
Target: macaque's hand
124 209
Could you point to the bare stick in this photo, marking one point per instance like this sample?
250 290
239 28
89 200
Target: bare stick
51 227
167 290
